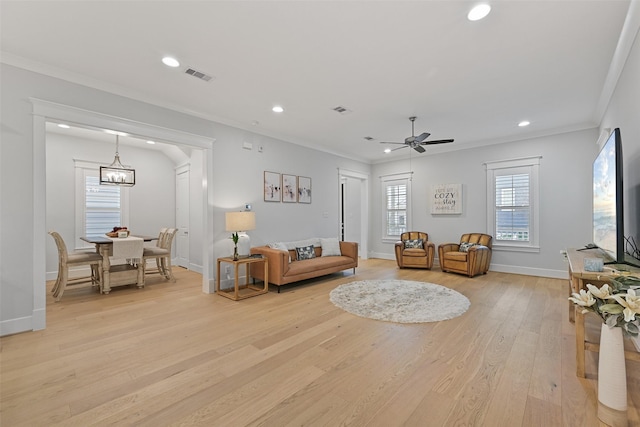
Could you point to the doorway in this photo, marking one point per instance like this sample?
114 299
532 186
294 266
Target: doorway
44 111
354 212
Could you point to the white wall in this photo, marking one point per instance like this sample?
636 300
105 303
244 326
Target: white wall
239 177
565 193
624 113
151 200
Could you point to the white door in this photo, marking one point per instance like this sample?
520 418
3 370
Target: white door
182 217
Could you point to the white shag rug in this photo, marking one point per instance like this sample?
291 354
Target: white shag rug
400 301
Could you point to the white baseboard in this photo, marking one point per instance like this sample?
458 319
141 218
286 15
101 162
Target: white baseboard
35 322
514 269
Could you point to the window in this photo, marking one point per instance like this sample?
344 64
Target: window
102 207
395 196
99 208
512 188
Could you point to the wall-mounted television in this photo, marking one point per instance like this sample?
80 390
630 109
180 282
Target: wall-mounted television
608 204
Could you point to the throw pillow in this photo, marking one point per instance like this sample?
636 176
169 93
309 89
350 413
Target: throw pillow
330 247
281 247
413 244
305 252
464 247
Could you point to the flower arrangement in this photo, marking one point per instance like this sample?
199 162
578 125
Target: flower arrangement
617 304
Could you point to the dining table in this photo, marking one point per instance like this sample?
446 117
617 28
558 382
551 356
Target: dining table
119 274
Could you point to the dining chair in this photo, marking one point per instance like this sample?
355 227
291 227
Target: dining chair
74 258
161 253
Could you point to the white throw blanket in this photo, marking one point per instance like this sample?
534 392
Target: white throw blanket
127 247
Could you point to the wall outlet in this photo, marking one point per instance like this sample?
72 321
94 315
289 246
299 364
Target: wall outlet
228 272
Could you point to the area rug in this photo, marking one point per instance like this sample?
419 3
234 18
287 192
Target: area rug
400 301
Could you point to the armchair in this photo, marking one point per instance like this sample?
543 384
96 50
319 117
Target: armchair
420 256
471 256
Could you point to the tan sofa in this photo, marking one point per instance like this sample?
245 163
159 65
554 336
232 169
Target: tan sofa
282 272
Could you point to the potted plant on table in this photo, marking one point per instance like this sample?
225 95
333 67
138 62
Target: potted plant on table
618 306
235 238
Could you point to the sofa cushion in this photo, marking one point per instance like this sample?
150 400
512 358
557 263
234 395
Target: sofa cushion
281 247
413 244
297 268
305 252
330 247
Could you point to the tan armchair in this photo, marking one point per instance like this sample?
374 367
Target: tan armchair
415 257
464 259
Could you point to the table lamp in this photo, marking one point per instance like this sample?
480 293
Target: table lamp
239 223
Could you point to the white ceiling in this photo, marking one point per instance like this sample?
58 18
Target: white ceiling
543 61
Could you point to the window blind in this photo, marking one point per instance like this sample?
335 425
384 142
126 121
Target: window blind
512 196
396 195
102 207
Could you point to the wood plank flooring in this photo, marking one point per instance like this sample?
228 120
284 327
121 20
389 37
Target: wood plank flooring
169 355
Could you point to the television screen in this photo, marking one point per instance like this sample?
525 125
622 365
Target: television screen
608 232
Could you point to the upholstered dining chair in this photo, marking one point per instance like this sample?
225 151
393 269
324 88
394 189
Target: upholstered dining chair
471 256
75 258
415 250
161 253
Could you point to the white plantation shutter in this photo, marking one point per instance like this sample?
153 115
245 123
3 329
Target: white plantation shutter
99 208
396 209
102 207
395 196
512 207
513 204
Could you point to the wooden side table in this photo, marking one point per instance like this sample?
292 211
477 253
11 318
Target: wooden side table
578 278
247 290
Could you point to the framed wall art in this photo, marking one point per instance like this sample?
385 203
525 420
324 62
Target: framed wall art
289 188
446 199
304 189
272 187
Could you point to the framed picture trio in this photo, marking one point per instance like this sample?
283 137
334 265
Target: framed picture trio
286 188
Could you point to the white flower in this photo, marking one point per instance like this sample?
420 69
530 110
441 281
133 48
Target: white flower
583 299
603 293
631 304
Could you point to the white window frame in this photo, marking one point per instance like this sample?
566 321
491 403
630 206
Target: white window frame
84 168
394 179
530 166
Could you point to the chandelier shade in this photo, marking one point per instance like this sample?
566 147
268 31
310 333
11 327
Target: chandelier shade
116 173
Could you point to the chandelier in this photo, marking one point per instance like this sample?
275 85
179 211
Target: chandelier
116 173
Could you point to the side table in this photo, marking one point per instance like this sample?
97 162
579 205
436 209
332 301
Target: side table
242 291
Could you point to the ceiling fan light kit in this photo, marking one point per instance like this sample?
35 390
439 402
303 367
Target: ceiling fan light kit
416 142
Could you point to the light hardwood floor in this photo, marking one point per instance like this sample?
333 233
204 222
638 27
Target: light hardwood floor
171 355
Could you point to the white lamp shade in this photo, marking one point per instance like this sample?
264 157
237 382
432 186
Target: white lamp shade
240 221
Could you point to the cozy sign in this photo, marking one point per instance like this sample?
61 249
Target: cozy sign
446 198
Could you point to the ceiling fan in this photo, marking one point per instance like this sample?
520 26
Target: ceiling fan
417 142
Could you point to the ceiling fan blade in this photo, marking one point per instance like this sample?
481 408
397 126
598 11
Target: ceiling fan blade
399 143
422 136
437 141
419 148
400 148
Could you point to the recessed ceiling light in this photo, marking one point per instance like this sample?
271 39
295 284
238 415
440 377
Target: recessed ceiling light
478 12
151 142
524 123
387 150
63 126
170 62
277 109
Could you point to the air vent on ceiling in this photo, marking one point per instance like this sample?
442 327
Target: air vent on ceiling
198 74
342 110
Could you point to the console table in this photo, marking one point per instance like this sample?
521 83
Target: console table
249 290
578 279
